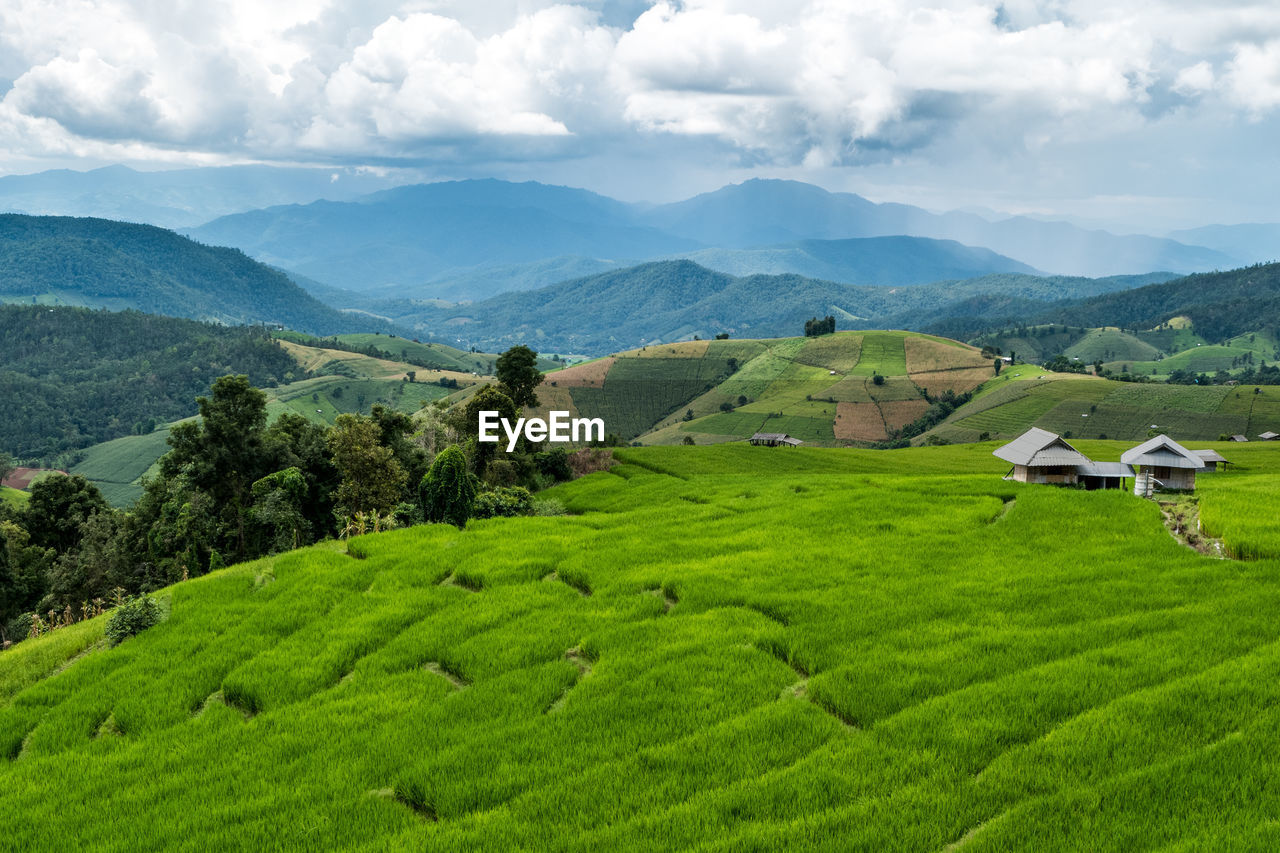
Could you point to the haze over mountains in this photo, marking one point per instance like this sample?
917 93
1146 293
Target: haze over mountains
410 236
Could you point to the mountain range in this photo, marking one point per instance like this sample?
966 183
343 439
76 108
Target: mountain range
470 239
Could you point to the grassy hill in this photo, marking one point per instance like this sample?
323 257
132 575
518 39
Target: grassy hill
1087 407
12 497
97 263
727 648
821 390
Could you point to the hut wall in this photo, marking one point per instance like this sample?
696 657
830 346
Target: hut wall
1057 475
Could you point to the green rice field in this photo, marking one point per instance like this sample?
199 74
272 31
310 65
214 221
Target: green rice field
719 648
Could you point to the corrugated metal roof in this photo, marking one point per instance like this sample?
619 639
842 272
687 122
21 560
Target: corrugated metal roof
1037 447
1268 436
1210 455
769 436
1161 451
1105 469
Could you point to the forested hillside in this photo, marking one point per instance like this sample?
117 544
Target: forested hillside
1220 305
117 265
71 377
674 300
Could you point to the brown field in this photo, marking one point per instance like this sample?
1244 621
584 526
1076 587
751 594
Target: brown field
832 352
553 398
859 422
899 413
313 359
588 375
960 381
684 349
926 356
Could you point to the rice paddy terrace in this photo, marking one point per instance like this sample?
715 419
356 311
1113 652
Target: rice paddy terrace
719 648
843 388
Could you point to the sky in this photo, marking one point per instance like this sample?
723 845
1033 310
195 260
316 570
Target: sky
1153 115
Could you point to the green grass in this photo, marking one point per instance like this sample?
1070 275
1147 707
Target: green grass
883 353
123 460
1110 345
1244 514
725 648
1203 359
13 497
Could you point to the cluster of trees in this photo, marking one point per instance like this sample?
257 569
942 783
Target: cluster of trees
80 377
234 487
940 408
813 327
1266 374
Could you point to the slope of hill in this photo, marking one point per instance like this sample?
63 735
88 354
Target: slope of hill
675 300
337 382
1251 243
1080 407
1219 305
797 649
103 264
845 388
888 261
71 377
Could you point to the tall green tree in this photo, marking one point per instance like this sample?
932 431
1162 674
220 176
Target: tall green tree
488 399
59 505
372 479
518 375
278 510
449 489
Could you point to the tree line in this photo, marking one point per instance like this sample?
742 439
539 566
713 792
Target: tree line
233 487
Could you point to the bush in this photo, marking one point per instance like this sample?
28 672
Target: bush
134 616
549 506
554 463
503 502
448 489
590 461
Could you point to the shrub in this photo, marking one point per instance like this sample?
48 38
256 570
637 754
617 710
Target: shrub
549 506
590 461
448 489
134 616
554 463
503 502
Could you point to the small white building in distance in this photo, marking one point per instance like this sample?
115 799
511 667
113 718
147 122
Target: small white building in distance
1162 464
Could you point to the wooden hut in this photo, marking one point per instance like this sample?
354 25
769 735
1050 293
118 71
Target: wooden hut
1239 438
1040 456
774 439
1212 459
1163 464
1269 436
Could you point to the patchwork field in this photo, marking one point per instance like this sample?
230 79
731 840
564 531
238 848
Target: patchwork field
722 648
1093 408
726 390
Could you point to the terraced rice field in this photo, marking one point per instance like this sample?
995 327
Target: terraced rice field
723 649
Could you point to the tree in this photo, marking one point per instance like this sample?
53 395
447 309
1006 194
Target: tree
58 506
6 466
518 376
371 476
997 364
277 511
489 399
448 490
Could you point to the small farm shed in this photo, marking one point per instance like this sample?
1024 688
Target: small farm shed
774 439
1239 438
1104 475
1040 456
1163 464
1269 436
1212 459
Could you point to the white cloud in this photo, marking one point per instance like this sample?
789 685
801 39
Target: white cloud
811 83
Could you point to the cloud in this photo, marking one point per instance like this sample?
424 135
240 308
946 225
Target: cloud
811 84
